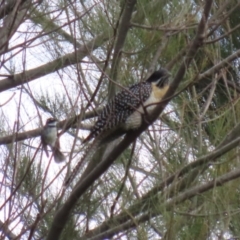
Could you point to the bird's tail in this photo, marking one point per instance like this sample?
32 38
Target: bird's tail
88 155
58 155
45 149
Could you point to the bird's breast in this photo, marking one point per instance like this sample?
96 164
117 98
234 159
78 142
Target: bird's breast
135 119
50 136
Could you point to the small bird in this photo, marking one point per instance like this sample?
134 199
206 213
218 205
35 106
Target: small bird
124 113
49 137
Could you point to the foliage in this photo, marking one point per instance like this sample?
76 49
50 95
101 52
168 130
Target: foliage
65 59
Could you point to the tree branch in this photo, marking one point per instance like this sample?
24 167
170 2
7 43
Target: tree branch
136 208
67 60
65 124
7 232
167 206
120 40
63 213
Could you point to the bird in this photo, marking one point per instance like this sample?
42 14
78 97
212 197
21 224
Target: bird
49 137
125 112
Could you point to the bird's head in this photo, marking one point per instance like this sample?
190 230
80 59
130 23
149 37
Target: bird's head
51 122
160 78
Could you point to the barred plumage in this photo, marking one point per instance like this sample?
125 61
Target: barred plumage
116 113
125 112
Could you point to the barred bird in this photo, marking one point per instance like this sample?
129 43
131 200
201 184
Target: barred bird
125 112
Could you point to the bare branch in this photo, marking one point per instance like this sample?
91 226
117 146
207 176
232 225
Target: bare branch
120 40
67 60
7 232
